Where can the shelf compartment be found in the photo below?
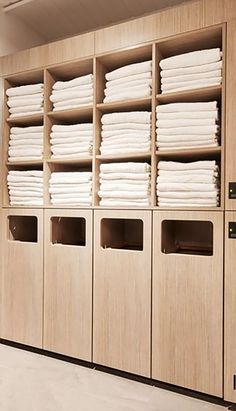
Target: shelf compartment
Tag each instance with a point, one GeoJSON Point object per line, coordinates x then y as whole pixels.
{"type": "Point", "coordinates": [129, 105]}
{"type": "Point", "coordinates": [121, 233]}
{"type": "Point", "coordinates": [68, 231]}
{"type": "Point", "coordinates": [187, 237]}
{"type": "Point", "coordinates": [122, 157]}
{"type": "Point", "coordinates": [73, 161]}
{"type": "Point", "coordinates": [23, 228]}
{"type": "Point", "coordinates": [30, 120]}
{"type": "Point", "coordinates": [72, 115]}
{"type": "Point", "coordinates": [200, 94]}
{"type": "Point", "coordinates": [193, 152]}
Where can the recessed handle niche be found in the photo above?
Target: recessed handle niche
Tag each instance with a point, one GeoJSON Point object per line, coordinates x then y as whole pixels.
{"type": "Point", "coordinates": [122, 233]}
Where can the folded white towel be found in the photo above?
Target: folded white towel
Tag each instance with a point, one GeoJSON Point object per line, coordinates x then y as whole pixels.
{"type": "Point", "coordinates": [186, 137]}
{"type": "Point", "coordinates": [71, 156]}
{"type": "Point", "coordinates": [191, 77]}
{"type": "Point", "coordinates": [25, 187]}
{"type": "Point", "coordinates": [131, 89]}
{"type": "Point", "coordinates": [27, 136]}
{"type": "Point", "coordinates": [35, 107]}
{"type": "Point", "coordinates": [59, 128]}
{"type": "Point", "coordinates": [25, 102]}
{"type": "Point", "coordinates": [138, 176]}
{"type": "Point", "coordinates": [27, 193]}
{"type": "Point", "coordinates": [27, 130]}
{"type": "Point", "coordinates": [124, 145]}
{"type": "Point", "coordinates": [75, 195]}
{"type": "Point", "coordinates": [119, 202]}
{"type": "Point", "coordinates": [125, 167]}
{"type": "Point", "coordinates": [24, 90]}
{"type": "Point", "coordinates": [124, 181]}
{"type": "Point", "coordinates": [22, 201]}
{"type": "Point", "coordinates": [189, 85]}
{"type": "Point", "coordinates": [188, 178]}
{"type": "Point", "coordinates": [72, 201]}
{"type": "Point", "coordinates": [185, 123]}
{"type": "Point", "coordinates": [81, 188]}
{"type": "Point", "coordinates": [74, 101]}
{"type": "Point", "coordinates": [135, 92]}
{"type": "Point", "coordinates": [132, 77]}
{"type": "Point", "coordinates": [127, 117]}
{"type": "Point", "coordinates": [111, 151]}
{"type": "Point", "coordinates": [188, 194]}
{"type": "Point", "coordinates": [76, 89]}
{"type": "Point", "coordinates": [123, 194]}
{"type": "Point", "coordinates": [187, 115]}
{"type": "Point", "coordinates": [124, 187]}
{"type": "Point", "coordinates": [184, 71]}
{"type": "Point", "coordinates": [127, 126]}
{"type": "Point", "coordinates": [206, 201]}
{"type": "Point", "coordinates": [16, 152]}
{"type": "Point", "coordinates": [195, 165]}
{"type": "Point", "coordinates": [125, 134]}
{"type": "Point", "coordinates": [73, 104]}
{"type": "Point", "coordinates": [192, 204]}
{"type": "Point", "coordinates": [193, 58]}
{"type": "Point", "coordinates": [188, 130]}
{"type": "Point", "coordinates": [183, 107]}
{"type": "Point", "coordinates": [70, 150]}
{"type": "Point", "coordinates": [26, 142]}
{"type": "Point", "coordinates": [24, 158]}
{"type": "Point", "coordinates": [31, 173]}
{"type": "Point", "coordinates": [178, 186]}
{"type": "Point", "coordinates": [13, 178]}
{"type": "Point", "coordinates": [109, 90]}
{"type": "Point", "coordinates": [70, 177]}
{"type": "Point", "coordinates": [26, 113]}
{"type": "Point", "coordinates": [120, 140]}
{"type": "Point", "coordinates": [129, 70]}
{"type": "Point", "coordinates": [182, 174]}
{"type": "Point", "coordinates": [61, 142]}
{"type": "Point", "coordinates": [70, 95]}
{"type": "Point", "coordinates": [78, 81]}
{"type": "Point", "coordinates": [187, 147]}
{"type": "Point", "coordinates": [72, 134]}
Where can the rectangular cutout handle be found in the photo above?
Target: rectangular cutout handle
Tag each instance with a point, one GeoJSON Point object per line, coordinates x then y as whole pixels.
{"type": "Point", "coordinates": [122, 233]}
{"type": "Point", "coordinates": [23, 228]}
{"type": "Point", "coordinates": [68, 231]}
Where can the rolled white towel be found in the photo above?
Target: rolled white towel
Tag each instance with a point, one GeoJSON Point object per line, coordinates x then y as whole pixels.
{"type": "Point", "coordinates": [78, 81]}
{"type": "Point", "coordinates": [184, 71]}
{"type": "Point", "coordinates": [129, 70]}
{"type": "Point", "coordinates": [193, 58]}
{"type": "Point", "coordinates": [183, 107]}
{"type": "Point", "coordinates": [24, 90]}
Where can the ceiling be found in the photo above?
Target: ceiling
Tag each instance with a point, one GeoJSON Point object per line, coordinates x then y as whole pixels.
{"type": "Point", "coordinates": [56, 19]}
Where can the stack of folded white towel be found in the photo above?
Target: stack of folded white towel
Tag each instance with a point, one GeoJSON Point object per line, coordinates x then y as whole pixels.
{"type": "Point", "coordinates": [187, 125]}
{"type": "Point", "coordinates": [193, 184]}
{"type": "Point", "coordinates": [72, 93]}
{"type": "Point", "coordinates": [192, 70]}
{"type": "Point", "coordinates": [127, 132]}
{"type": "Point", "coordinates": [25, 187]}
{"type": "Point", "coordinates": [132, 81]}
{"type": "Point", "coordinates": [25, 143]}
{"type": "Point", "coordinates": [72, 141]}
{"type": "Point", "coordinates": [125, 184]}
{"type": "Point", "coordinates": [25, 100]}
{"type": "Point", "coordinates": [71, 188]}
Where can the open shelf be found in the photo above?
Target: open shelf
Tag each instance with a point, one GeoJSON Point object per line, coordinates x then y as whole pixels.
{"type": "Point", "coordinates": [68, 231]}
{"type": "Point", "coordinates": [71, 114]}
{"type": "Point", "coordinates": [199, 94]}
{"type": "Point", "coordinates": [23, 228]}
{"type": "Point", "coordinates": [187, 237]}
{"type": "Point", "coordinates": [132, 104]}
{"type": "Point", "coordinates": [122, 233]}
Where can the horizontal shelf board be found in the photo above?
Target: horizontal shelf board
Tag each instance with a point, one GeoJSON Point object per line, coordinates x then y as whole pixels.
{"type": "Point", "coordinates": [71, 114]}
{"type": "Point", "coordinates": [188, 208]}
{"type": "Point", "coordinates": [26, 120]}
{"type": "Point", "coordinates": [25, 163]}
{"type": "Point", "coordinates": [124, 156]}
{"type": "Point", "coordinates": [125, 104]}
{"type": "Point", "coordinates": [203, 93]}
{"type": "Point", "coordinates": [85, 160]}
{"type": "Point", "coordinates": [189, 152]}
{"type": "Point", "coordinates": [122, 208]}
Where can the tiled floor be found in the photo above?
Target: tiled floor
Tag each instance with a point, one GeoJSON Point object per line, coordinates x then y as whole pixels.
{"type": "Point", "coordinates": [31, 382]}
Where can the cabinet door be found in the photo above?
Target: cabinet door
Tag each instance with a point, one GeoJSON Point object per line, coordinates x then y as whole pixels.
{"type": "Point", "coordinates": [68, 283]}
{"type": "Point", "coordinates": [22, 277]}
{"type": "Point", "coordinates": [122, 290]}
{"type": "Point", "coordinates": [230, 308]}
{"type": "Point", "coordinates": [188, 299]}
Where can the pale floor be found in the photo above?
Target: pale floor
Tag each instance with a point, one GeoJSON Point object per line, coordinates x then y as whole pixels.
{"type": "Point", "coordinates": [31, 382]}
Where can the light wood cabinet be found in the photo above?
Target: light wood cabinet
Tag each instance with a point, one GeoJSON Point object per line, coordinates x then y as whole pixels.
{"type": "Point", "coordinates": [22, 276]}
{"type": "Point", "coordinates": [68, 283]}
{"type": "Point", "coordinates": [122, 290]}
{"type": "Point", "coordinates": [188, 300]}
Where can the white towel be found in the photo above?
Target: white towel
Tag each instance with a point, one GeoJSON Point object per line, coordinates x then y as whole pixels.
{"type": "Point", "coordinates": [184, 71]}
{"type": "Point", "coordinates": [189, 172]}
{"type": "Point", "coordinates": [191, 77]}
{"type": "Point", "coordinates": [132, 77]}
{"type": "Point", "coordinates": [178, 186]}
{"type": "Point", "coordinates": [186, 145]}
{"type": "Point", "coordinates": [193, 58]}
{"type": "Point", "coordinates": [187, 194]}
{"type": "Point", "coordinates": [65, 128]}
{"type": "Point", "coordinates": [26, 173]}
{"type": "Point", "coordinates": [78, 81]}
{"type": "Point", "coordinates": [127, 117]}
{"type": "Point", "coordinates": [61, 142]}
{"type": "Point", "coordinates": [195, 165]}
{"type": "Point", "coordinates": [72, 201]}
{"type": "Point", "coordinates": [27, 136]}
{"type": "Point", "coordinates": [16, 152]}
{"type": "Point", "coordinates": [184, 123]}
{"type": "Point", "coordinates": [186, 85]}
{"type": "Point", "coordinates": [72, 156]}
{"type": "Point", "coordinates": [82, 188]}
{"type": "Point", "coordinates": [129, 70]}
{"type": "Point", "coordinates": [116, 181]}
{"type": "Point", "coordinates": [27, 193]}
{"type": "Point", "coordinates": [138, 176]}
{"type": "Point", "coordinates": [24, 102]}
{"type": "Point", "coordinates": [195, 200]}
{"type": "Point", "coordinates": [125, 134]}
{"type": "Point", "coordinates": [71, 104]}
{"type": "Point", "coordinates": [188, 115]}
{"type": "Point", "coordinates": [186, 137]}
{"type": "Point", "coordinates": [70, 178]}
{"type": "Point", "coordinates": [105, 151]}
{"type": "Point", "coordinates": [193, 203]}
{"type": "Point", "coordinates": [136, 92]}
{"type": "Point", "coordinates": [24, 90]}
{"type": "Point", "coordinates": [126, 126]}
{"type": "Point", "coordinates": [26, 113]}
{"type": "Point", "coordinates": [119, 202]}
{"type": "Point", "coordinates": [188, 178]}
{"type": "Point", "coordinates": [124, 187]}
{"type": "Point", "coordinates": [75, 195]}
{"type": "Point", "coordinates": [70, 150]}
{"type": "Point", "coordinates": [125, 167]}
{"type": "Point", "coordinates": [123, 194]}
{"type": "Point", "coordinates": [183, 107]}
{"type": "Point", "coordinates": [24, 202]}
{"type": "Point", "coordinates": [188, 130]}
{"type": "Point", "coordinates": [70, 95]}
{"type": "Point", "coordinates": [26, 142]}
{"type": "Point", "coordinates": [124, 140]}
{"type": "Point", "coordinates": [76, 89]}
{"type": "Point", "coordinates": [27, 130]}
{"type": "Point", "coordinates": [34, 107]}
{"type": "Point", "coordinates": [124, 145]}
{"type": "Point", "coordinates": [24, 158]}
{"type": "Point", "coordinates": [110, 90]}
{"type": "Point", "coordinates": [72, 134]}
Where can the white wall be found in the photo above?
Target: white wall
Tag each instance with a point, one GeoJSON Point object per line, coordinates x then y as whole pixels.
{"type": "Point", "coordinates": [15, 35]}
